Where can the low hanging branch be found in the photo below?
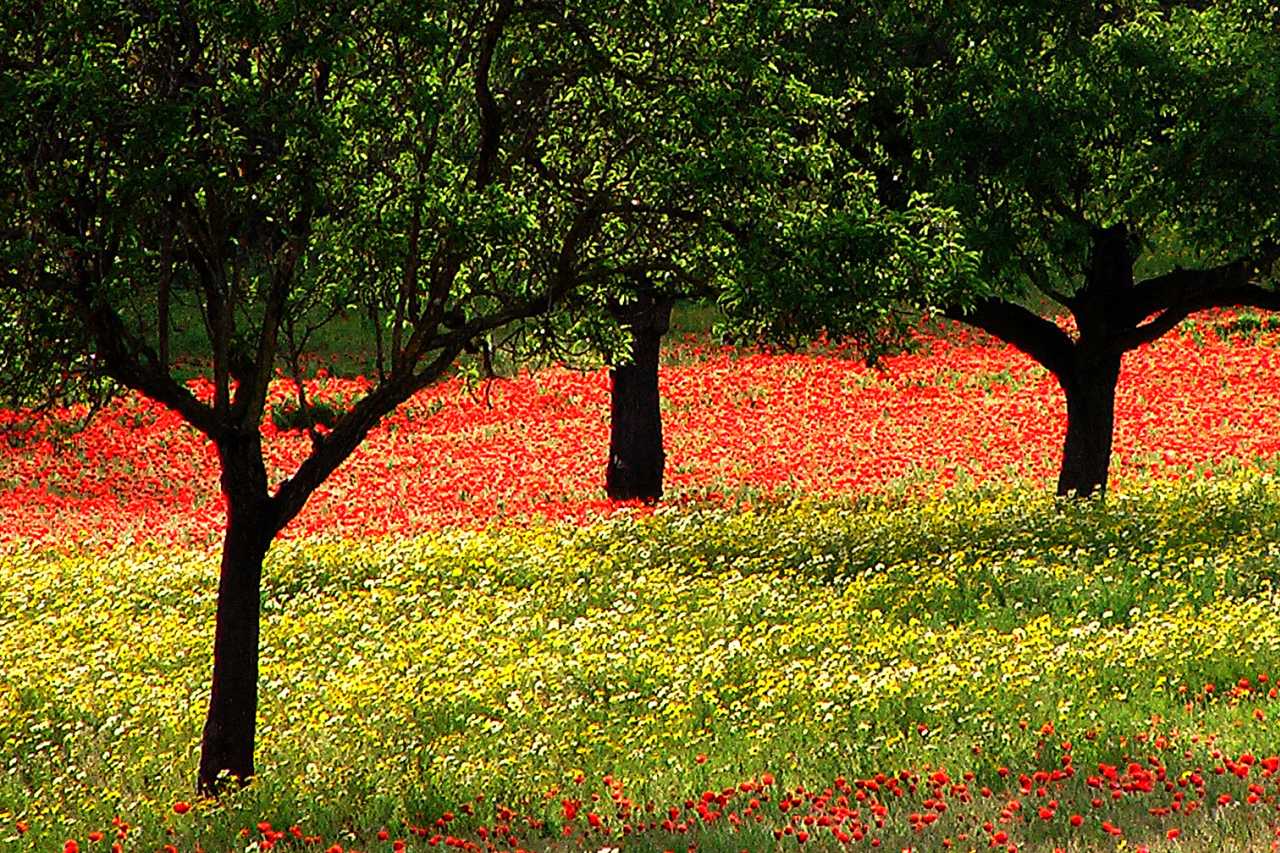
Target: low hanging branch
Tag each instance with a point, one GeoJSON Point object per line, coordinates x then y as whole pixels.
{"type": "Point", "coordinates": [1037, 337]}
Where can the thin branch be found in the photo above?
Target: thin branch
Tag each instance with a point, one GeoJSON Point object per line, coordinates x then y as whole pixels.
{"type": "Point", "coordinates": [1040, 280]}
{"type": "Point", "coordinates": [351, 429]}
{"type": "Point", "coordinates": [293, 352]}
{"type": "Point", "coordinates": [251, 394]}
{"type": "Point", "coordinates": [119, 353]}
{"type": "Point", "coordinates": [162, 300]}
{"type": "Point", "coordinates": [376, 322]}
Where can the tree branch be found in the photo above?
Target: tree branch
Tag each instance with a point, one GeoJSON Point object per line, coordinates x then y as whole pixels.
{"type": "Point", "coordinates": [114, 346]}
{"type": "Point", "coordinates": [1022, 328]}
{"type": "Point", "coordinates": [1182, 286]}
{"type": "Point", "coordinates": [351, 429]}
{"type": "Point", "coordinates": [490, 116]}
{"type": "Point", "coordinates": [1242, 296]}
{"type": "Point", "coordinates": [251, 394]}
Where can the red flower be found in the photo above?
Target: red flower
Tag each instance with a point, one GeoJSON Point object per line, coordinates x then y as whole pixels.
{"type": "Point", "coordinates": [545, 420]}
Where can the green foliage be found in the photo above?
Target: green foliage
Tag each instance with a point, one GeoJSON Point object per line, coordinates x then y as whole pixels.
{"type": "Point", "coordinates": [821, 247]}
{"type": "Point", "coordinates": [441, 170]}
{"type": "Point", "coordinates": [157, 152]}
{"type": "Point", "coordinates": [1038, 122]}
{"type": "Point", "coordinates": [865, 274]}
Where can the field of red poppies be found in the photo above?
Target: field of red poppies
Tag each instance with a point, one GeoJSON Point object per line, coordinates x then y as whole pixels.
{"type": "Point", "coordinates": [740, 426]}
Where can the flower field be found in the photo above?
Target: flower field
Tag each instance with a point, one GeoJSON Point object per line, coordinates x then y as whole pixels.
{"type": "Point", "coordinates": [738, 426]}
{"type": "Point", "coordinates": [865, 661]}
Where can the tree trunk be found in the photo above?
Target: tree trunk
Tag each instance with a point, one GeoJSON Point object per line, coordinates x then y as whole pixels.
{"type": "Point", "coordinates": [1090, 388]}
{"type": "Point", "coordinates": [230, 729]}
{"type": "Point", "coordinates": [636, 457]}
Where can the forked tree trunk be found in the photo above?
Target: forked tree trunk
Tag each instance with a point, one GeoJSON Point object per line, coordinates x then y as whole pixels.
{"type": "Point", "coordinates": [636, 455]}
{"type": "Point", "coordinates": [230, 729]}
{"type": "Point", "coordinates": [1090, 389]}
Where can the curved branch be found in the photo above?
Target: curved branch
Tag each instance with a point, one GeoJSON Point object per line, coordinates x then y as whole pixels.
{"type": "Point", "coordinates": [251, 395]}
{"type": "Point", "coordinates": [1243, 296]}
{"type": "Point", "coordinates": [337, 446]}
{"type": "Point", "coordinates": [118, 351]}
{"type": "Point", "coordinates": [1180, 293]}
{"type": "Point", "coordinates": [1180, 286]}
{"type": "Point", "coordinates": [1021, 328]}
{"type": "Point", "coordinates": [1183, 286]}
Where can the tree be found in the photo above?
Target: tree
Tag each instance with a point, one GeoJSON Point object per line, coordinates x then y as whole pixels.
{"type": "Point", "coordinates": [776, 168]}
{"type": "Point", "coordinates": [1113, 161]}
{"type": "Point", "coordinates": [448, 168]}
{"type": "Point", "coordinates": [810, 245]}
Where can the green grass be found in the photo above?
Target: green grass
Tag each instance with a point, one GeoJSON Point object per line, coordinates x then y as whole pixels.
{"type": "Point", "coordinates": [402, 678]}
{"type": "Point", "coordinates": [695, 319]}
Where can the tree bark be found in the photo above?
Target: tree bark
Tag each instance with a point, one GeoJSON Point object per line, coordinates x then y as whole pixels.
{"type": "Point", "coordinates": [230, 729]}
{"type": "Point", "coordinates": [1090, 389]}
{"type": "Point", "coordinates": [636, 455]}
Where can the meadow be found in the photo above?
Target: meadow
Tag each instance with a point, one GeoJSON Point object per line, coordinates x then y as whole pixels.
{"type": "Point", "coordinates": [860, 620]}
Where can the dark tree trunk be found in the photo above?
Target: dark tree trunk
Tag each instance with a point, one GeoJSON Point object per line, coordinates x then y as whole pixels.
{"type": "Point", "coordinates": [1089, 380]}
{"type": "Point", "coordinates": [230, 729]}
{"type": "Point", "coordinates": [636, 457]}
{"type": "Point", "coordinates": [1090, 388]}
